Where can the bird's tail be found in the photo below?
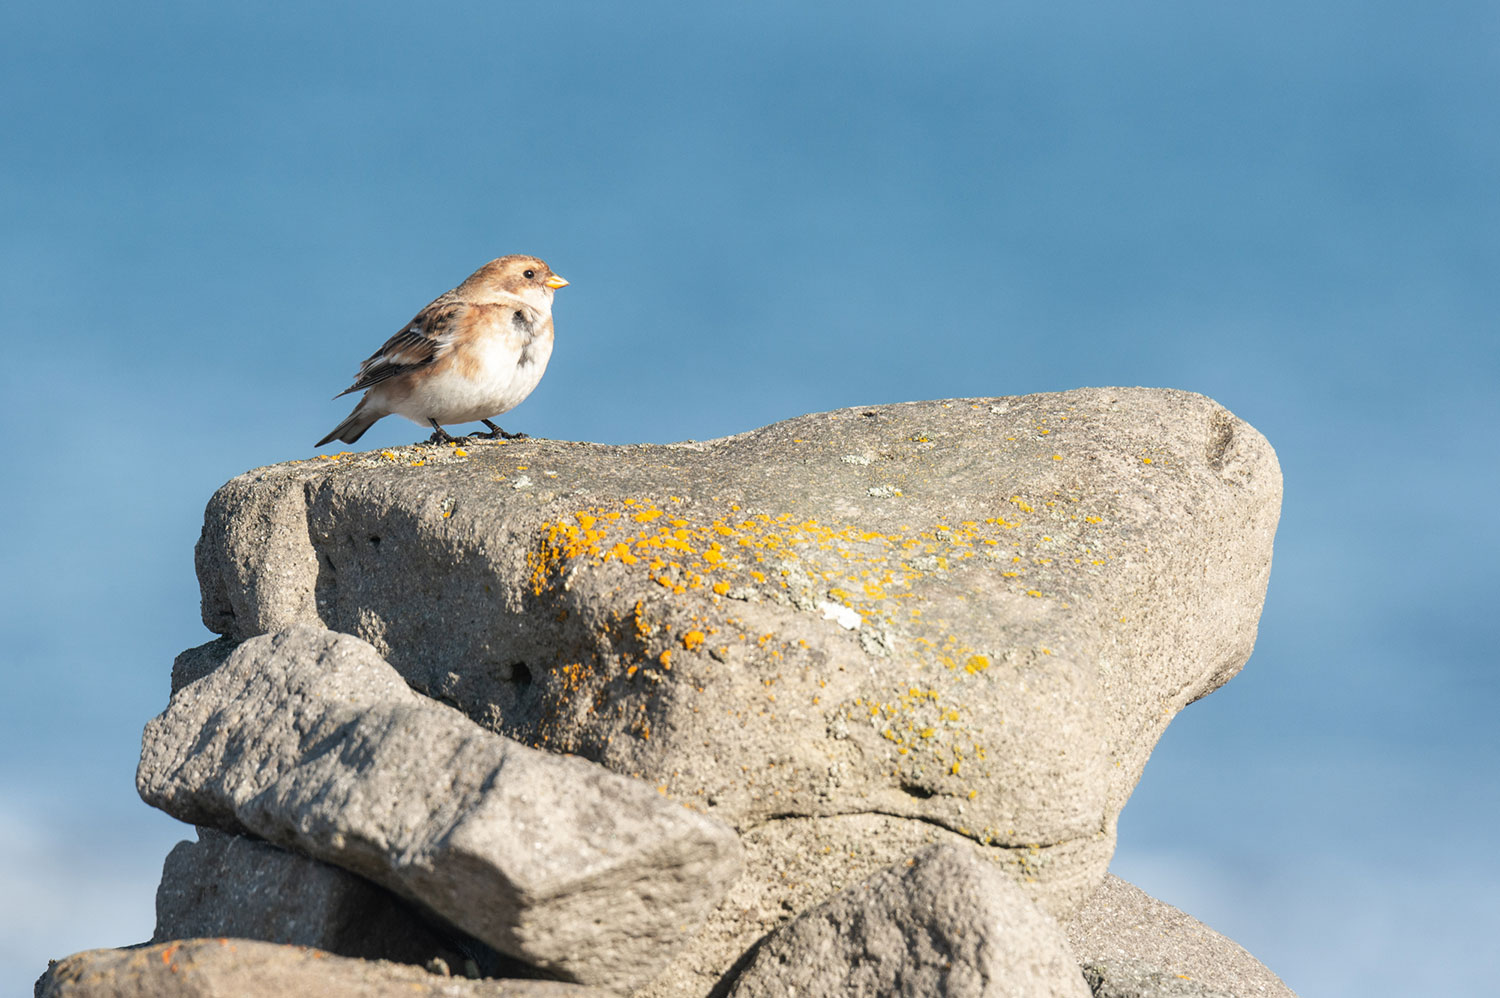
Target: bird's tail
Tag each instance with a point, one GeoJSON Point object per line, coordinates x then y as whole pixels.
{"type": "Point", "coordinates": [355, 424]}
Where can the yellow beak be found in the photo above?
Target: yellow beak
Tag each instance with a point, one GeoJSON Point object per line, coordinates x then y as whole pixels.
{"type": "Point", "coordinates": [555, 282]}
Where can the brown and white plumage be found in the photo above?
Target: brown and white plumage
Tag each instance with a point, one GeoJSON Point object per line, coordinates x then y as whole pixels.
{"type": "Point", "coordinates": [472, 353]}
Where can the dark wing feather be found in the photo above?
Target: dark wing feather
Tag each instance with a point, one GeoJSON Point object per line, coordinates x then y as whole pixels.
{"type": "Point", "coordinates": [415, 346]}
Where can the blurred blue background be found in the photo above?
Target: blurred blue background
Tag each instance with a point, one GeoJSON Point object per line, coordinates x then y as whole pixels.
{"type": "Point", "coordinates": [211, 213]}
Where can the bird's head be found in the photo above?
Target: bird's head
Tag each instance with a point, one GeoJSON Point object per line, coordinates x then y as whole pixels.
{"type": "Point", "coordinates": [516, 276]}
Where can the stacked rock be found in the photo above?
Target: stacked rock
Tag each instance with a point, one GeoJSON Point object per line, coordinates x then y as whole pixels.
{"type": "Point", "coordinates": [849, 704]}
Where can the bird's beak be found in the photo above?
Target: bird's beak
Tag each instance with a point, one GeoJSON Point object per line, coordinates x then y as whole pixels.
{"type": "Point", "coordinates": [555, 282]}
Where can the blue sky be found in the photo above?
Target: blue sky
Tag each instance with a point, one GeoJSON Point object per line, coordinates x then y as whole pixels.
{"type": "Point", "coordinates": [211, 215]}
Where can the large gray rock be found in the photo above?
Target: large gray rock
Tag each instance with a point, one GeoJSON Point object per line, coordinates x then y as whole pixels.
{"type": "Point", "coordinates": [943, 923]}
{"type": "Point", "coordinates": [1134, 946]}
{"type": "Point", "coordinates": [231, 885]}
{"type": "Point", "coordinates": [309, 740]}
{"type": "Point", "coordinates": [242, 968]}
{"type": "Point", "coordinates": [975, 616]}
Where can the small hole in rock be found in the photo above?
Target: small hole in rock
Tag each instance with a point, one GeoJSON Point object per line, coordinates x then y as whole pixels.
{"type": "Point", "coordinates": [375, 540]}
{"type": "Point", "coordinates": [519, 673]}
{"type": "Point", "coordinates": [912, 790]}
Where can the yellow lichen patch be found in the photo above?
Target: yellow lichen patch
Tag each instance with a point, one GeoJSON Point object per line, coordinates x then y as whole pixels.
{"type": "Point", "coordinates": [879, 575]}
{"type": "Point", "coordinates": [692, 639]}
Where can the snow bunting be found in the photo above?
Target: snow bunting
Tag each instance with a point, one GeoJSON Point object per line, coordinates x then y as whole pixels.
{"type": "Point", "coordinates": [472, 353]}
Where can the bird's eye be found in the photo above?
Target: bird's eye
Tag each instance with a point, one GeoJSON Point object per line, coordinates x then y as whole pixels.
{"type": "Point", "coordinates": [528, 274]}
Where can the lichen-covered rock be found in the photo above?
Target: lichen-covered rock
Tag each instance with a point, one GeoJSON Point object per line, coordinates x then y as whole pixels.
{"type": "Point", "coordinates": [243, 968]}
{"type": "Point", "coordinates": [1134, 946]}
{"type": "Point", "coordinates": [975, 616]}
{"type": "Point", "coordinates": [942, 924]}
{"type": "Point", "coordinates": [308, 740]}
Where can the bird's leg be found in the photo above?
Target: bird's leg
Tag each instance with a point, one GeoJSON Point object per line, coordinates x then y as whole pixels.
{"type": "Point", "coordinates": [439, 435]}
{"type": "Point", "coordinates": [498, 434]}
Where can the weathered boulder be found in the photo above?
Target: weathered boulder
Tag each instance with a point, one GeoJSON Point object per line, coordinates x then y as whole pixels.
{"type": "Point", "coordinates": [308, 740]}
{"type": "Point", "coordinates": [936, 621]}
{"type": "Point", "coordinates": [976, 612]}
{"type": "Point", "coordinates": [942, 923]}
{"type": "Point", "coordinates": [1134, 946]}
{"type": "Point", "coordinates": [243, 968]}
{"type": "Point", "coordinates": [231, 885]}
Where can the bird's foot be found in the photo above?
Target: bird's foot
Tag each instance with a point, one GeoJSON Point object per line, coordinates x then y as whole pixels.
{"type": "Point", "coordinates": [498, 434]}
{"type": "Point", "coordinates": [440, 435]}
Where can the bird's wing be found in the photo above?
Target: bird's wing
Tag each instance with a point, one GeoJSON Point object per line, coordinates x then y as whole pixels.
{"type": "Point", "coordinates": [417, 345]}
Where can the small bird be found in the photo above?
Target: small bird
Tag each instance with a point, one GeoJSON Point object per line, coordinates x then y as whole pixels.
{"type": "Point", "coordinates": [472, 353]}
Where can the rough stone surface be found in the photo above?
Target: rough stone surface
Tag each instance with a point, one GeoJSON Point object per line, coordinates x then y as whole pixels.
{"type": "Point", "coordinates": [242, 968]}
{"type": "Point", "coordinates": [309, 740]}
{"type": "Point", "coordinates": [964, 619]}
{"type": "Point", "coordinates": [943, 923]}
{"type": "Point", "coordinates": [231, 885]}
{"type": "Point", "coordinates": [1134, 946]}
{"type": "Point", "coordinates": [195, 663]}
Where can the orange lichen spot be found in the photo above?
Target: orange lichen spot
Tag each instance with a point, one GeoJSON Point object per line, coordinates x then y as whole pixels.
{"type": "Point", "coordinates": [1022, 505]}
{"type": "Point", "coordinates": [460, 452]}
{"type": "Point", "coordinates": [389, 455]}
{"type": "Point", "coordinates": [928, 732]}
{"type": "Point", "coordinates": [647, 515]}
{"type": "Point", "coordinates": [1093, 519]}
{"type": "Point", "coordinates": [953, 769]}
{"type": "Point", "coordinates": [585, 520]}
{"type": "Point", "coordinates": [665, 658]}
{"type": "Point", "coordinates": [1146, 460]}
{"type": "Point", "coordinates": [1033, 592]}
{"type": "Point", "coordinates": [720, 588]}
{"type": "Point", "coordinates": [757, 576]}
{"type": "Point", "coordinates": [973, 794]}
{"type": "Point", "coordinates": [447, 513]}
{"type": "Point", "coordinates": [976, 663]}
{"type": "Point", "coordinates": [1057, 457]}
{"type": "Point", "coordinates": [692, 639]}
